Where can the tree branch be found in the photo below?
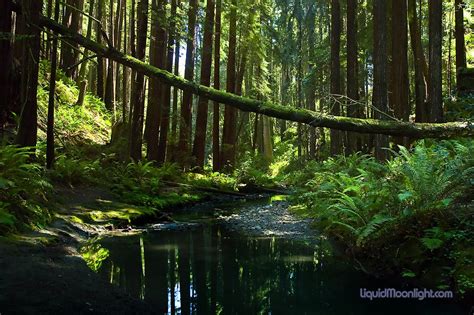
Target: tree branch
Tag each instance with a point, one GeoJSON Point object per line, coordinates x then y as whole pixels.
{"type": "Point", "coordinates": [413, 130]}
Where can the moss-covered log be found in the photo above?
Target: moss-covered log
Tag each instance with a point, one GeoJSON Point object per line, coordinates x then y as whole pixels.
{"type": "Point", "coordinates": [394, 128]}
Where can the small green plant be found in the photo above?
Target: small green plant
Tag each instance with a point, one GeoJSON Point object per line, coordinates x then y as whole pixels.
{"type": "Point", "coordinates": [24, 190]}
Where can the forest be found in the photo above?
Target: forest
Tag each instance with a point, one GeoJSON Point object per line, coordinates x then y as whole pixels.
{"type": "Point", "coordinates": [236, 156]}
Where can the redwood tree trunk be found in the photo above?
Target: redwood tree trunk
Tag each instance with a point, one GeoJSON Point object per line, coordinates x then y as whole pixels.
{"type": "Point", "coordinates": [352, 73]}
{"type": "Point", "coordinates": [5, 53]}
{"type": "Point", "coordinates": [459, 35]}
{"type": "Point", "coordinates": [230, 113]}
{"type": "Point", "coordinates": [336, 135]}
{"type": "Point", "coordinates": [138, 92]}
{"type": "Point", "coordinates": [186, 114]}
{"type": "Point", "coordinates": [100, 60]}
{"type": "Point", "coordinates": [165, 117]}
{"type": "Point", "coordinates": [109, 98]}
{"type": "Point", "coordinates": [380, 96]}
{"type": "Point", "coordinates": [421, 68]}
{"type": "Point", "coordinates": [435, 64]}
{"type": "Point", "coordinates": [399, 74]}
{"type": "Point", "coordinates": [216, 160]}
{"type": "Point", "coordinates": [70, 55]}
{"type": "Point", "coordinates": [201, 118]}
{"type": "Point", "coordinates": [155, 95]}
{"type": "Point", "coordinates": [172, 146]}
{"type": "Point", "coordinates": [52, 90]}
{"type": "Point", "coordinates": [27, 130]}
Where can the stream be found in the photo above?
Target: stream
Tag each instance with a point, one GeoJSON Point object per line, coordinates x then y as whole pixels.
{"type": "Point", "coordinates": [204, 266]}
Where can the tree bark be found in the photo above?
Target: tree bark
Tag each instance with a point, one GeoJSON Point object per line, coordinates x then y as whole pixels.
{"type": "Point", "coordinates": [216, 160]}
{"type": "Point", "coordinates": [421, 68]}
{"type": "Point", "coordinates": [52, 90]}
{"type": "Point", "coordinates": [100, 60]}
{"type": "Point", "coordinates": [138, 92]}
{"type": "Point", "coordinates": [81, 79]}
{"type": "Point", "coordinates": [186, 114]}
{"type": "Point", "coordinates": [336, 135]}
{"type": "Point", "coordinates": [165, 116]}
{"type": "Point", "coordinates": [459, 35]}
{"type": "Point", "coordinates": [380, 96]}
{"type": "Point", "coordinates": [311, 90]}
{"type": "Point", "coordinates": [109, 98]}
{"type": "Point", "coordinates": [126, 72]}
{"type": "Point", "coordinates": [73, 20]}
{"type": "Point", "coordinates": [230, 113]}
{"type": "Point", "coordinates": [373, 126]}
{"type": "Point", "coordinates": [399, 74]}
{"type": "Point", "coordinates": [155, 95]}
{"type": "Point", "coordinates": [353, 139]}
{"type": "Point", "coordinates": [27, 130]}
{"type": "Point", "coordinates": [199, 147]}
{"type": "Point", "coordinates": [172, 146]}
{"type": "Point", "coordinates": [6, 7]}
{"type": "Point", "coordinates": [435, 95]}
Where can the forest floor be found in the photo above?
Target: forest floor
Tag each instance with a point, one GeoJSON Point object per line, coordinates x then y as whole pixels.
{"type": "Point", "coordinates": [43, 272]}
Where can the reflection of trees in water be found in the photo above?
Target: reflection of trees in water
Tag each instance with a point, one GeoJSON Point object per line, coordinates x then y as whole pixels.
{"type": "Point", "coordinates": [156, 276]}
{"type": "Point", "coordinates": [217, 271]}
{"type": "Point", "coordinates": [184, 274]}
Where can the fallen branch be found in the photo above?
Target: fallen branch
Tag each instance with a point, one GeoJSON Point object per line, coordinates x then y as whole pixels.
{"type": "Point", "coordinates": [413, 130]}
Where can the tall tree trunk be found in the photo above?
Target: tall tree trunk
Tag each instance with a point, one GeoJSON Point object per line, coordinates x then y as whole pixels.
{"type": "Point", "coordinates": [27, 130]}
{"type": "Point", "coordinates": [81, 79]}
{"type": "Point", "coordinates": [172, 149]}
{"type": "Point", "coordinates": [100, 60]}
{"type": "Point", "coordinates": [421, 68]}
{"type": "Point", "coordinates": [70, 50]}
{"type": "Point", "coordinates": [186, 105]}
{"type": "Point", "coordinates": [311, 90]}
{"type": "Point", "coordinates": [52, 90]}
{"type": "Point", "coordinates": [118, 44]}
{"type": "Point", "coordinates": [125, 70]}
{"type": "Point", "coordinates": [109, 98]}
{"type": "Point", "coordinates": [206, 65]}
{"type": "Point", "coordinates": [380, 96]}
{"type": "Point", "coordinates": [230, 113]}
{"type": "Point", "coordinates": [399, 74]}
{"type": "Point", "coordinates": [138, 92]}
{"type": "Point", "coordinates": [216, 160]}
{"type": "Point", "coordinates": [459, 35]}
{"type": "Point", "coordinates": [6, 7]}
{"type": "Point", "coordinates": [353, 139]}
{"type": "Point", "coordinates": [165, 117]}
{"type": "Point", "coordinates": [133, 52]}
{"type": "Point", "coordinates": [49, 13]}
{"type": "Point", "coordinates": [299, 72]}
{"type": "Point", "coordinates": [435, 61]}
{"type": "Point", "coordinates": [336, 135]}
{"type": "Point", "coordinates": [155, 95]}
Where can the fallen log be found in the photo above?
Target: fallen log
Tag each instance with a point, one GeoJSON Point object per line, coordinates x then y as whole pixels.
{"type": "Point", "coordinates": [373, 126]}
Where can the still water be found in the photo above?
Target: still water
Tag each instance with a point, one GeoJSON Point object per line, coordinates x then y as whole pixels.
{"type": "Point", "coordinates": [210, 270]}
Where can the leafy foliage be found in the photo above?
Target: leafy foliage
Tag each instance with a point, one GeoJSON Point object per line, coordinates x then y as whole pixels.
{"type": "Point", "coordinates": [23, 189]}
{"type": "Point", "coordinates": [399, 213]}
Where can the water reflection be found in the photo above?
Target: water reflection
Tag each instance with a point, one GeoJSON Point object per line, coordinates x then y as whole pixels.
{"type": "Point", "coordinates": [210, 271]}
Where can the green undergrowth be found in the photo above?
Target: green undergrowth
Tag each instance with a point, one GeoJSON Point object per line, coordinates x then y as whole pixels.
{"type": "Point", "coordinates": [89, 123]}
{"type": "Point", "coordinates": [412, 216]}
{"type": "Point", "coordinates": [24, 190]}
